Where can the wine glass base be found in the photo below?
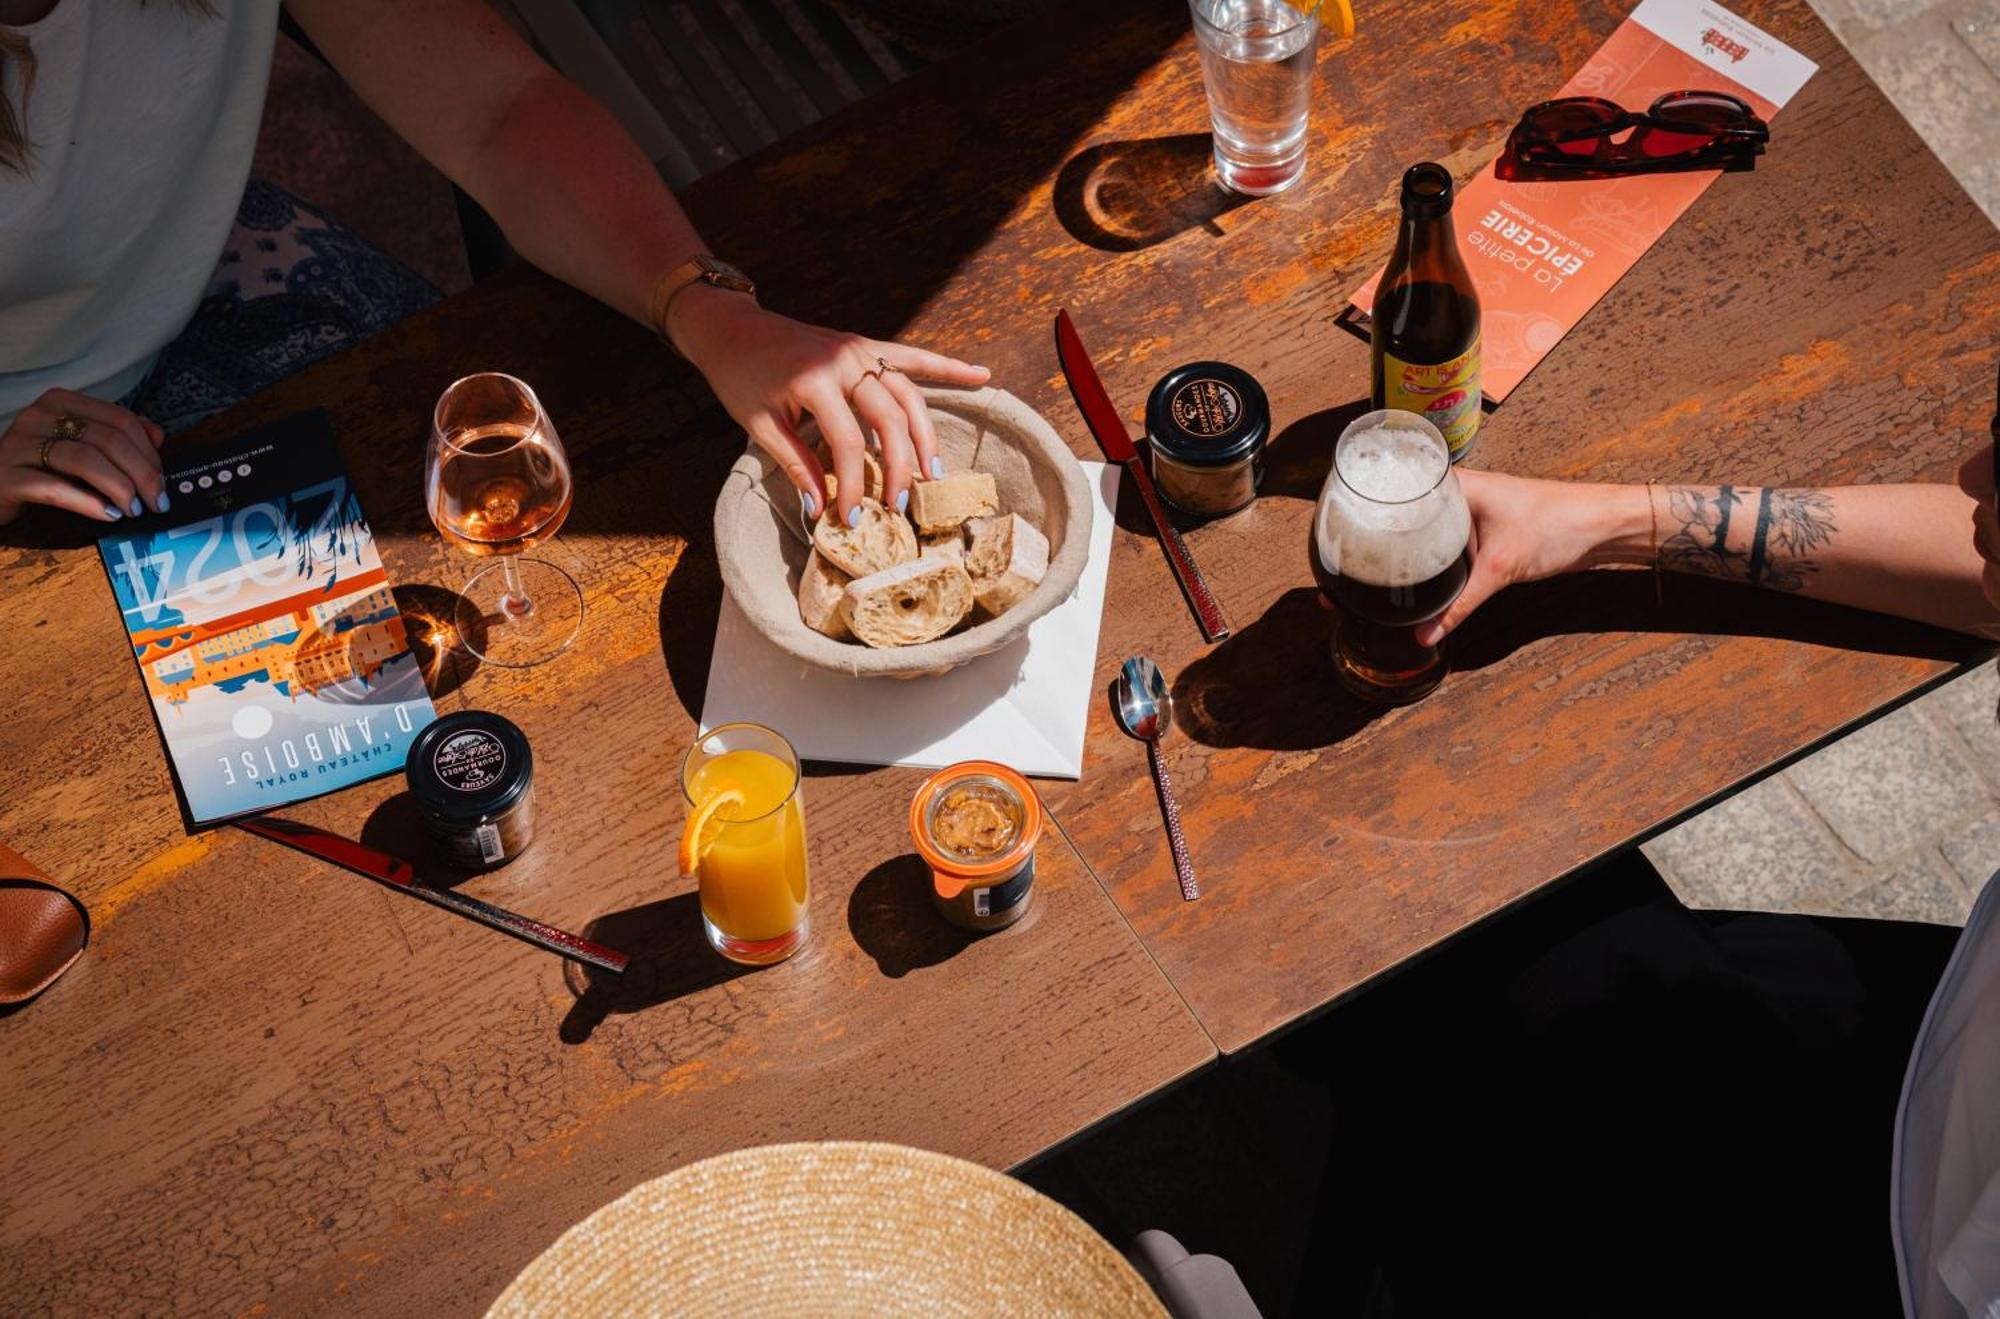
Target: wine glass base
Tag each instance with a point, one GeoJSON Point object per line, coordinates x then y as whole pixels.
{"type": "Point", "coordinates": [493, 626]}
{"type": "Point", "coordinates": [757, 952]}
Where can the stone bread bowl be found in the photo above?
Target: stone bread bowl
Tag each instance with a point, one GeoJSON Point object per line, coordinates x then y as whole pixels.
{"type": "Point", "coordinates": [761, 540]}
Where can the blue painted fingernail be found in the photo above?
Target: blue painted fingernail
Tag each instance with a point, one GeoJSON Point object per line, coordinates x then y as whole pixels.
{"type": "Point", "coordinates": [902, 501]}
{"type": "Point", "coordinates": [162, 503]}
{"type": "Point", "coordinates": [854, 516]}
{"type": "Point", "coordinates": [937, 469]}
{"type": "Point", "coordinates": [138, 509]}
{"type": "Point", "coordinates": [808, 505]}
{"type": "Point", "coordinates": [111, 511]}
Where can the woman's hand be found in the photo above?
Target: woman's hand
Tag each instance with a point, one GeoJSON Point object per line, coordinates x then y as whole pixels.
{"type": "Point", "coordinates": [772, 372]}
{"type": "Point", "coordinates": [110, 470]}
{"type": "Point", "coordinates": [1523, 531]}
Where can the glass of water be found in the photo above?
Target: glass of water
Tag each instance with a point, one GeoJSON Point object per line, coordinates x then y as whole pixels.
{"type": "Point", "coordinates": [1257, 61]}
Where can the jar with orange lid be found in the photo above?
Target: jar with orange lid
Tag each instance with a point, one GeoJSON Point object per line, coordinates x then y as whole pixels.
{"type": "Point", "coordinates": [976, 825]}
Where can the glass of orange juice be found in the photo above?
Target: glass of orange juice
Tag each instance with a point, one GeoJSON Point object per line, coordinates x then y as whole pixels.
{"type": "Point", "coordinates": [745, 842]}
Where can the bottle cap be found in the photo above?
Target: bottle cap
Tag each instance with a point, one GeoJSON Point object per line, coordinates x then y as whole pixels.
{"type": "Point", "coordinates": [1208, 414]}
{"type": "Point", "coordinates": [1427, 191]}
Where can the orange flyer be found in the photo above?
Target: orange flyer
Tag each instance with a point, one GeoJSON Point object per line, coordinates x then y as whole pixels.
{"type": "Point", "coordinates": [1541, 254]}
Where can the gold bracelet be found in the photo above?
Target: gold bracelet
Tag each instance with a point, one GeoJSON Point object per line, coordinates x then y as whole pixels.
{"type": "Point", "coordinates": [1653, 512]}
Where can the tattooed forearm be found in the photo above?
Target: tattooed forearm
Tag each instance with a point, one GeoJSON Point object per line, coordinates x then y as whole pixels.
{"type": "Point", "coordinates": [1766, 537]}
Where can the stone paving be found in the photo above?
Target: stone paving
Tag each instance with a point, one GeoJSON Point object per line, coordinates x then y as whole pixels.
{"type": "Point", "coordinates": [1901, 818]}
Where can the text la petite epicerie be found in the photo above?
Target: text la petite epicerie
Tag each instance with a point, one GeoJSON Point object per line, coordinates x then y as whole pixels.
{"type": "Point", "coordinates": [1520, 246]}
{"type": "Point", "coordinates": [297, 758]}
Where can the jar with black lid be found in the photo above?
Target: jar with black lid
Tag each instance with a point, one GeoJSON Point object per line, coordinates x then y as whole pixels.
{"type": "Point", "coordinates": [473, 777]}
{"type": "Point", "coordinates": [1207, 423]}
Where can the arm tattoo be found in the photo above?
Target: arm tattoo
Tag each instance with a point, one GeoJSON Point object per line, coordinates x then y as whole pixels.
{"type": "Point", "coordinates": [1792, 526]}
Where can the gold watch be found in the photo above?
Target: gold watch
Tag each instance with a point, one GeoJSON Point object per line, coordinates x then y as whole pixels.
{"type": "Point", "coordinates": [701, 268]}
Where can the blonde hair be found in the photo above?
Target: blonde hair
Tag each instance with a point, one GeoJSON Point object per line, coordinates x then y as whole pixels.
{"type": "Point", "coordinates": [16, 153]}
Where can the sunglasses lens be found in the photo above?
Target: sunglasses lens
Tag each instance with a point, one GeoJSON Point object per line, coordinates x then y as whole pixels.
{"type": "Point", "coordinates": [1576, 117]}
{"type": "Point", "coordinates": [1704, 112]}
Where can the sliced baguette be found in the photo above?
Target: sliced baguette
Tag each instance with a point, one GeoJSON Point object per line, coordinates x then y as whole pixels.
{"type": "Point", "coordinates": [881, 540]}
{"type": "Point", "coordinates": [820, 589]}
{"type": "Point", "coordinates": [951, 543]}
{"type": "Point", "coordinates": [943, 504]}
{"type": "Point", "coordinates": [1008, 558]}
{"type": "Point", "coordinates": [909, 603]}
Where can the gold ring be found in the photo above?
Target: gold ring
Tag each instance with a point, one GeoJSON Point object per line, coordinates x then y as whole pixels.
{"type": "Point", "coordinates": [69, 427]}
{"type": "Point", "coordinates": [883, 367]}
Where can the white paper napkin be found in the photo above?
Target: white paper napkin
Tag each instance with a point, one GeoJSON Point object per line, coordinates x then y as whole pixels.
{"type": "Point", "coordinates": [1024, 706]}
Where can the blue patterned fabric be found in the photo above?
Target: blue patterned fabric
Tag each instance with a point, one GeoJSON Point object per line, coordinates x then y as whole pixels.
{"type": "Point", "coordinates": [294, 286]}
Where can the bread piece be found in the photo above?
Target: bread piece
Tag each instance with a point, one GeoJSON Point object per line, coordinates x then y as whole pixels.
{"type": "Point", "coordinates": [951, 543]}
{"type": "Point", "coordinates": [943, 504]}
{"type": "Point", "coordinates": [1008, 559]}
{"type": "Point", "coordinates": [881, 540]}
{"type": "Point", "coordinates": [872, 478]}
{"type": "Point", "coordinates": [820, 589]}
{"type": "Point", "coordinates": [908, 604]}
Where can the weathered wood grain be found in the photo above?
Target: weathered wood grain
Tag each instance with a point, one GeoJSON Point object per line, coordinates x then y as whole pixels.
{"type": "Point", "coordinates": [271, 1085]}
{"type": "Point", "coordinates": [270, 1082]}
{"type": "Point", "coordinates": [1827, 318]}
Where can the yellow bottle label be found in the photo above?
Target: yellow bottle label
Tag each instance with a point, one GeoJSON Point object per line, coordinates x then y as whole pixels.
{"type": "Point", "coordinates": [1446, 395]}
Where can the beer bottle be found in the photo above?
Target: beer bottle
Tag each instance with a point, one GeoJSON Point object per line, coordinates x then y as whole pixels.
{"type": "Point", "coordinates": [1424, 346]}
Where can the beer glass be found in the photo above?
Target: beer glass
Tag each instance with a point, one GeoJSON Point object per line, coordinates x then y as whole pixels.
{"type": "Point", "coordinates": [497, 483]}
{"type": "Point", "coordinates": [1389, 550]}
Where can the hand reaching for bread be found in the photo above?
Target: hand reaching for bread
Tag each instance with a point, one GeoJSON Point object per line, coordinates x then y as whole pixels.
{"type": "Point", "coordinates": [899, 580]}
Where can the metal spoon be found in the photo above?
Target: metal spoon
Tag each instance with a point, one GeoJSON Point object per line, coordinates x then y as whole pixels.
{"type": "Point", "coordinates": [1145, 710]}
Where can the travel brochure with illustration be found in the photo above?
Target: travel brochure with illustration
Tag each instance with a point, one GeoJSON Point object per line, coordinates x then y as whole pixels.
{"type": "Point", "coordinates": [264, 625]}
{"type": "Point", "coordinates": [1542, 253]}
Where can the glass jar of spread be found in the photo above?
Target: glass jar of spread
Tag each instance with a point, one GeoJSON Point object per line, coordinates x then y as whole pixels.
{"type": "Point", "coordinates": [976, 825]}
{"type": "Point", "coordinates": [1207, 424]}
{"type": "Point", "coordinates": [473, 778]}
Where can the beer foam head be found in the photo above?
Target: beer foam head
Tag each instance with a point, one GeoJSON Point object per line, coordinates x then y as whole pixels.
{"type": "Point", "coordinates": [1387, 515]}
{"type": "Point", "coordinates": [1390, 465]}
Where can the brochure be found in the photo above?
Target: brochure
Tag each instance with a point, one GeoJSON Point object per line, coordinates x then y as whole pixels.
{"type": "Point", "coordinates": [264, 625]}
{"type": "Point", "coordinates": [1543, 253]}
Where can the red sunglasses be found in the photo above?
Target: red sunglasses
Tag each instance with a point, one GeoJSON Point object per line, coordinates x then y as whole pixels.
{"type": "Point", "coordinates": [1682, 130]}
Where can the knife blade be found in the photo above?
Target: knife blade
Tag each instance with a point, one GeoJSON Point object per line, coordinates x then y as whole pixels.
{"type": "Point", "coordinates": [400, 874]}
{"type": "Point", "coordinates": [1109, 429]}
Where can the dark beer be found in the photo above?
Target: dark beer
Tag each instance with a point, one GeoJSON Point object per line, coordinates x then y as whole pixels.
{"type": "Point", "coordinates": [1424, 344]}
{"type": "Point", "coordinates": [1389, 550]}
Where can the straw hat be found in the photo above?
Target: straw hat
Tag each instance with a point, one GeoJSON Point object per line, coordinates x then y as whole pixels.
{"type": "Point", "coordinates": [833, 1228]}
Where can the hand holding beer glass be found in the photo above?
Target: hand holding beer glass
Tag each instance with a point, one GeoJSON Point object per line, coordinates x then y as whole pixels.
{"type": "Point", "coordinates": [1389, 549]}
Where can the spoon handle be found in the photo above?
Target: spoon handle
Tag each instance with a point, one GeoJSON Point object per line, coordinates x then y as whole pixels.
{"type": "Point", "coordinates": [1183, 864]}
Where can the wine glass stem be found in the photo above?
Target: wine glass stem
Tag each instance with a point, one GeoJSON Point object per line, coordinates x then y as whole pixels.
{"type": "Point", "coordinates": [515, 603]}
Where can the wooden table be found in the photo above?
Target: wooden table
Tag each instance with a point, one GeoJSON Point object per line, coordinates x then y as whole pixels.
{"type": "Point", "coordinates": [272, 1084]}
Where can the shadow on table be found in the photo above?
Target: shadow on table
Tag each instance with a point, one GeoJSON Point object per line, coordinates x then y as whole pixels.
{"type": "Point", "coordinates": [431, 622]}
{"type": "Point", "coordinates": [1271, 685]}
{"type": "Point", "coordinates": [670, 959]}
{"type": "Point", "coordinates": [1129, 196]}
{"type": "Point", "coordinates": [397, 827]}
{"type": "Point", "coordinates": [892, 919]}
{"type": "Point", "coordinates": [1298, 457]}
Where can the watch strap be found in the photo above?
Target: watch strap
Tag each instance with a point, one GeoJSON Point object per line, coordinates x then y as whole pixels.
{"type": "Point", "coordinates": [701, 268]}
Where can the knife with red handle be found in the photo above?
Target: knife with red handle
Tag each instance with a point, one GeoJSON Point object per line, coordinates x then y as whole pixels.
{"type": "Point", "coordinates": [1112, 437]}
{"type": "Point", "coordinates": [398, 873]}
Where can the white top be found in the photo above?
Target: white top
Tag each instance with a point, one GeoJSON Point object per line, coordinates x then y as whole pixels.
{"type": "Point", "coordinates": [1946, 1185]}
{"type": "Point", "coordinates": [142, 119]}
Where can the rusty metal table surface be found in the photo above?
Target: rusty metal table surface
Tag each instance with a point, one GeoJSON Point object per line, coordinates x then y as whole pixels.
{"type": "Point", "coordinates": [272, 1083]}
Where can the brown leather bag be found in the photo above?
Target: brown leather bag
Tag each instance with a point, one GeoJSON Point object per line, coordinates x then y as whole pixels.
{"type": "Point", "coordinates": [42, 929]}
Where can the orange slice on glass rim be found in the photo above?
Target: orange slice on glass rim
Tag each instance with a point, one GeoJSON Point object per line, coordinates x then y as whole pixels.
{"type": "Point", "coordinates": [703, 828]}
{"type": "Point", "coordinates": [1338, 18]}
